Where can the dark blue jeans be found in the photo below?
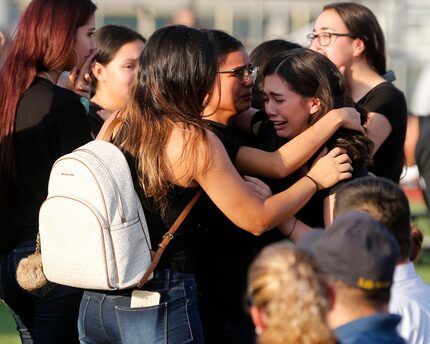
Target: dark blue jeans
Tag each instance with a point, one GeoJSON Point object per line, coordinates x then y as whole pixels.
{"type": "Point", "coordinates": [108, 318]}
{"type": "Point", "coordinates": [48, 315]}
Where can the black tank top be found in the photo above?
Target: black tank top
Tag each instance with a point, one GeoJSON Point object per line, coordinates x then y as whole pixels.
{"type": "Point", "coordinates": [179, 254]}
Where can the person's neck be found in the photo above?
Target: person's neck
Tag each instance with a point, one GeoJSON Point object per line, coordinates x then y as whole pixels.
{"type": "Point", "coordinates": [219, 116]}
{"type": "Point", "coordinates": [104, 102]}
{"type": "Point", "coordinates": [341, 315]}
{"type": "Point", "coordinates": [403, 261]}
{"type": "Point", "coordinates": [51, 75]}
{"type": "Point", "coordinates": [360, 79]}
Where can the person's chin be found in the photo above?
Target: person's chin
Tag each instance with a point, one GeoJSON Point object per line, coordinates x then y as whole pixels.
{"type": "Point", "coordinates": [242, 107]}
{"type": "Point", "coordinates": [283, 133]}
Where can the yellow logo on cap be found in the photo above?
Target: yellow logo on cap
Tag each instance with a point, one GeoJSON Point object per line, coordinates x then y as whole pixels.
{"type": "Point", "coordinates": [371, 285]}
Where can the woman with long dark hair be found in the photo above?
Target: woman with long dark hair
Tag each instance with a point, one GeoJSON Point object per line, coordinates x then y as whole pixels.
{"type": "Point", "coordinates": [172, 153]}
{"type": "Point", "coordinates": [39, 122]}
{"type": "Point", "coordinates": [223, 314]}
{"type": "Point", "coordinates": [114, 71]}
{"type": "Point", "coordinates": [231, 104]}
{"type": "Point", "coordinates": [300, 87]}
{"type": "Point", "coordinates": [350, 36]}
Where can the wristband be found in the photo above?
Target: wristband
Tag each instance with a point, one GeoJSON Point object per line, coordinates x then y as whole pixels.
{"type": "Point", "coordinates": [314, 181]}
{"type": "Point", "coordinates": [292, 228]}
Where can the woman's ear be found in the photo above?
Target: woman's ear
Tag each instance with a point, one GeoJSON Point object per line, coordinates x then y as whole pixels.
{"type": "Point", "coordinates": [257, 319]}
{"type": "Point", "coordinates": [98, 71]}
{"type": "Point", "coordinates": [359, 47]}
{"type": "Point", "coordinates": [314, 105]}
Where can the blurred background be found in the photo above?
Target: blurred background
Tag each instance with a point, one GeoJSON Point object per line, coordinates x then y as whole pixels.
{"type": "Point", "coordinates": [406, 25]}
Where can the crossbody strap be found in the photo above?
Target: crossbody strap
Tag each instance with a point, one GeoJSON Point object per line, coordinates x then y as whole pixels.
{"type": "Point", "coordinates": [167, 238]}
{"type": "Point", "coordinates": [170, 233]}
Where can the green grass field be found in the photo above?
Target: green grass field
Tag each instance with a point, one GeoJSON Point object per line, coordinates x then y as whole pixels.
{"type": "Point", "coordinates": [8, 333]}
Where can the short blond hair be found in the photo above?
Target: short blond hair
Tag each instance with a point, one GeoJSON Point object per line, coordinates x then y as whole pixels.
{"type": "Point", "coordinates": [292, 293]}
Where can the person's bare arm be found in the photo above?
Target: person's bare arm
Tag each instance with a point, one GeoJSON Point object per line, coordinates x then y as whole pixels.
{"type": "Point", "coordinates": [412, 133]}
{"type": "Point", "coordinates": [297, 151]}
{"type": "Point", "coordinates": [237, 200]}
{"type": "Point", "coordinates": [293, 229]}
{"type": "Point", "coordinates": [378, 129]}
{"type": "Point", "coordinates": [328, 209]}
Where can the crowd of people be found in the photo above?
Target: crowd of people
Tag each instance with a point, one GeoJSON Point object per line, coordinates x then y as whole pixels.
{"type": "Point", "coordinates": [284, 142]}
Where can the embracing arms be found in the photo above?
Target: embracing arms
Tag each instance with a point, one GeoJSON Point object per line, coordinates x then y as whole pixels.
{"type": "Point", "coordinates": [298, 150]}
{"type": "Point", "coordinates": [236, 199]}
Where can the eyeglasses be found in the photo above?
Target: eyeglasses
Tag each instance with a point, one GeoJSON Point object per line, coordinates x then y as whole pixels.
{"type": "Point", "coordinates": [326, 39]}
{"type": "Point", "coordinates": [243, 73]}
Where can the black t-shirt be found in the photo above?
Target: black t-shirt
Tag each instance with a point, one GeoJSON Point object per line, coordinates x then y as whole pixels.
{"type": "Point", "coordinates": [312, 213]}
{"type": "Point", "coordinates": [96, 122]}
{"type": "Point", "coordinates": [225, 250]}
{"type": "Point", "coordinates": [390, 102]}
{"type": "Point", "coordinates": [231, 137]}
{"type": "Point", "coordinates": [50, 122]}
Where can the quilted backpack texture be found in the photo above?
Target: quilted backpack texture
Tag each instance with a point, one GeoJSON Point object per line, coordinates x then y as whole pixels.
{"type": "Point", "coordinates": [93, 232]}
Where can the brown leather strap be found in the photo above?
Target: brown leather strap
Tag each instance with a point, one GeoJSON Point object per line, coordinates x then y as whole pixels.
{"type": "Point", "coordinates": [167, 238]}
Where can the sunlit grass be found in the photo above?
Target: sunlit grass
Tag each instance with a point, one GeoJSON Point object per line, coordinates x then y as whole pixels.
{"type": "Point", "coordinates": [8, 332]}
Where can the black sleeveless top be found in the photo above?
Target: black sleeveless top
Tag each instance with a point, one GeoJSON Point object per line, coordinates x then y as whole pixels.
{"type": "Point", "coordinates": [225, 251]}
{"type": "Point", "coordinates": [179, 254]}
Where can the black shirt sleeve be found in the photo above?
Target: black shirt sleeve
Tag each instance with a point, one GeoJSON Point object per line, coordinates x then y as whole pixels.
{"type": "Point", "coordinates": [390, 102]}
{"type": "Point", "coordinates": [50, 122]}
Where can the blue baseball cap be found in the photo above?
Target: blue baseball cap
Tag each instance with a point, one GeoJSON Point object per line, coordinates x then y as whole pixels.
{"type": "Point", "coordinates": [356, 249]}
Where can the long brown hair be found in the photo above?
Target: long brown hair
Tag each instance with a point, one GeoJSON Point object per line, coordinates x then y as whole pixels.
{"type": "Point", "coordinates": [176, 75]}
{"type": "Point", "coordinates": [44, 40]}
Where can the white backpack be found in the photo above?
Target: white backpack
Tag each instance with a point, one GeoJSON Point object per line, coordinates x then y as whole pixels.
{"type": "Point", "coordinates": [93, 232]}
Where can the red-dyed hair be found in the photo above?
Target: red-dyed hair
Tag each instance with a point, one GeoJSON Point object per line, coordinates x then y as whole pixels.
{"type": "Point", "coordinates": [43, 40]}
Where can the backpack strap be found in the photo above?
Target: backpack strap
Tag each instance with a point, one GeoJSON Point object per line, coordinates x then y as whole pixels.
{"type": "Point", "coordinates": [167, 238]}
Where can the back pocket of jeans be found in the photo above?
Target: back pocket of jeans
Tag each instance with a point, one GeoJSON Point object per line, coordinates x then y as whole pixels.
{"type": "Point", "coordinates": [167, 322]}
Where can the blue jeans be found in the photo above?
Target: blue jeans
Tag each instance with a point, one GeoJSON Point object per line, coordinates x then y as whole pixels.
{"type": "Point", "coordinates": [47, 315]}
{"type": "Point", "coordinates": [106, 317]}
